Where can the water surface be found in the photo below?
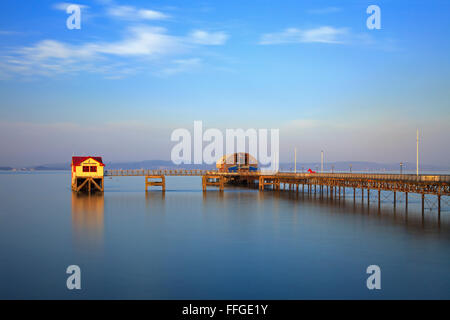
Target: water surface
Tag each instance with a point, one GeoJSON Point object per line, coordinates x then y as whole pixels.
{"type": "Point", "coordinates": [239, 244]}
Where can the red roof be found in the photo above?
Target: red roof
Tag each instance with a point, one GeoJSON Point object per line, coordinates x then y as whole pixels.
{"type": "Point", "coordinates": [76, 161]}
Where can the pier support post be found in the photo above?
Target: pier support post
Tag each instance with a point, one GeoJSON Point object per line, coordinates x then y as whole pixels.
{"type": "Point", "coordinates": [439, 207]}
{"type": "Point", "coordinates": [395, 199]}
{"type": "Point", "coordinates": [379, 200]}
{"type": "Point", "coordinates": [406, 201]}
{"type": "Point", "coordinates": [213, 180]}
{"type": "Point", "coordinates": [368, 196]}
{"type": "Point", "coordinates": [423, 204]}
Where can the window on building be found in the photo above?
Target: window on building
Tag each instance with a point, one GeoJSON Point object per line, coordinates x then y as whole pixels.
{"type": "Point", "coordinates": [85, 169]}
{"type": "Point", "coordinates": [93, 169]}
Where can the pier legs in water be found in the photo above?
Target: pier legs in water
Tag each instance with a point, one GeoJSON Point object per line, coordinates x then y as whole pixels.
{"type": "Point", "coordinates": [406, 201]}
{"type": "Point", "coordinates": [88, 184]}
{"type": "Point", "coordinates": [156, 181]}
{"type": "Point", "coordinates": [423, 204]}
{"type": "Point", "coordinates": [217, 181]}
{"type": "Point", "coordinates": [439, 206]}
{"type": "Point", "coordinates": [333, 190]}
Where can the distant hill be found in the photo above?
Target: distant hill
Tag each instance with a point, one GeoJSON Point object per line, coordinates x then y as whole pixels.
{"type": "Point", "coordinates": [156, 164]}
{"type": "Point", "coordinates": [147, 164]}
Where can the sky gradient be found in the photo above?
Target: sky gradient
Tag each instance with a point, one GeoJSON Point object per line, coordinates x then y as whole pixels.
{"type": "Point", "coordinates": [135, 72]}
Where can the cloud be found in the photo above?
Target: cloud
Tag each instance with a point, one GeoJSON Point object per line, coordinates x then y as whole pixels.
{"type": "Point", "coordinates": [139, 41]}
{"type": "Point", "coordinates": [208, 38]}
{"type": "Point", "coordinates": [326, 10]}
{"type": "Point", "coordinates": [132, 13]}
{"type": "Point", "coordinates": [143, 41]}
{"type": "Point", "coordinates": [114, 59]}
{"type": "Point", "coordinates": [49, 56]}
{"type": "Point", "coordinates": [324, 34]}
{"type": "Point", "coordinates": [63, 6]}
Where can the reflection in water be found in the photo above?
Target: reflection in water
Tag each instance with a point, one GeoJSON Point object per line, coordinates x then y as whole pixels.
{"type": "Point", "coordinates": [87, 219]}
{"type": "Point", "coordinates": [155, 201]}
{"type": "Point", "coordinates": [401, 214]}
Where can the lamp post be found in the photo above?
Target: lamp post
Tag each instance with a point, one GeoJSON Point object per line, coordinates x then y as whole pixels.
{"type": "Point", "coordinates": [417, 153]}
{"type": "Point", "coordinates": [295, 160]}
{"type": "Point", "coordinates": [401, 167]}
{"type": "Point", "coordinates": [321, 162]}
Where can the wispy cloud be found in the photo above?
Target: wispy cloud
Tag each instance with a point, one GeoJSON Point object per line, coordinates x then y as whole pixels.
{"type": "Point", "coordinates": [139, 41]}
{"type": "Point", "coordinates": [63, 6]}
{"type": "Point", "coordinates": [324, 34]}
{"type": "Point", "coordinates": [325, 10]}
{"type": "Point", "coordinates": [50, 56]}
{"type": "Point", "coordinates": [208, 38]}
{"type": "Point", "coordinates": [133, 13]}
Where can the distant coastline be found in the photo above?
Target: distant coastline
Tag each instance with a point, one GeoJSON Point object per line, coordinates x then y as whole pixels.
{"type": "Point", "coordinates": [343, 166]}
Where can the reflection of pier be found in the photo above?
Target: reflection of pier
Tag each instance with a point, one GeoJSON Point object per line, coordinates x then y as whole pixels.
{"type": "Point", "coordinates": [87, 217]}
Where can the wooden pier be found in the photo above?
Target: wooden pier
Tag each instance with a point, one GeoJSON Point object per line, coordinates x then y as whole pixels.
{"type": "Point", "coordinates": [332, 185]}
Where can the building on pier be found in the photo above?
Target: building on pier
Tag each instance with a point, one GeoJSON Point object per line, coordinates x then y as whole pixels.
{"type": "Point", "coordinates": [237, 162]}
{"type": "Point", "coordinates": [87, 174]}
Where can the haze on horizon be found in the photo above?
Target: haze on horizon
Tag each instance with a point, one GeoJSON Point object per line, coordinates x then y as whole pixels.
{"type": "Point", "coordinates": [136, 71]}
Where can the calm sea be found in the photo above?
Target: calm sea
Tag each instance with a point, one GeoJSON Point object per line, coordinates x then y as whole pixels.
{"type": "Point", "coordinates": [239, 244]}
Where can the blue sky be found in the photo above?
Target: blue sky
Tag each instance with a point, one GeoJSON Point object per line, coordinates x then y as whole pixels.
{"type": "Point", "coordinates": [137, 70]}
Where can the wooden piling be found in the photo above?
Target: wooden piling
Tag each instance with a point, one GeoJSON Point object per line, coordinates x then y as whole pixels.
{"type": "Point", "coordinates": [161, 182]}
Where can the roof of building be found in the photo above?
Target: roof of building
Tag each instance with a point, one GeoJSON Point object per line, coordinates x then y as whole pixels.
{"type": "Point", "coordinates": [229, 158]}
{"type": "Point", "coordinates": [76, 161]}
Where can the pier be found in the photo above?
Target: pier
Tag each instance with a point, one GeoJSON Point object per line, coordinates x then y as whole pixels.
{"type": "Point", "coordinates": [332, 185]}
{"type": "Point", "coordinates": [241, 169]}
